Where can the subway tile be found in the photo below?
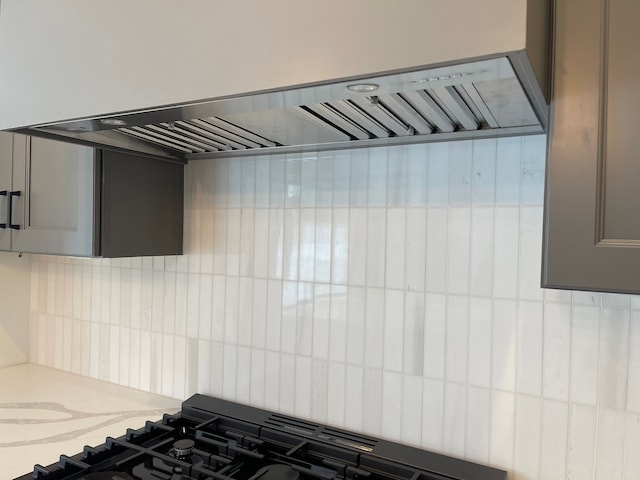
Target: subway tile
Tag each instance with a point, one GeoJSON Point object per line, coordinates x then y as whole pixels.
{"type": "Point", "coordinates": [324, 180]}
{"type": "Point", "coordinates": [395, 248]}
{"type": "Point", "coordinates": [230, 371]}
{"type": "Point", "coordinates": [533, 166]}
{"type": "Point", "coordinates": [243, 379]}
{"type": "Point", "coordinates": [505, 252]}
{"type": "Point", "coordinates": [480, 315]}
{"type": "Point", "coordinates": [358, 176]}
{"type": "Point", "coordinates": [413, 344]}
{"type": "Point", "coordinates": [503, 345]}
{"type": "Point", "coordinates": [257, 375]}
{"type": "Point", "coordinates": [220, 238]}
{"type": "Point", "coordinates": [435, 325]}
{"type": "Point", "coordinates": [372, 407]}
{"type": "Point", "coordinates": [613, 358]}
{"type": "Point", "coordinates": [397, 177]}
{"type": "Point", "coordinates": [319, 389]}
{"type": "Point", "coordinates": [292, 186]}
{"type": "Point", "coordinates": [354, 392]}
{"type": "Point", "coordinates": [477, 433]}
{"type": "Point", "coordinates": [276, 181]}
{"type": "Point", "coordinates": [248, 181]}
{"type": "Point", "coordinates": [392, 405]}
{"type": "Point", "coordinates": [508, 175]}
{"type": "Point", "coordinates": [585, 323]}
{"type": "Point", "coordinates": [321, 321]}
{"type": "Point", "coordinates": [357, 246]}
{"type": "Point", "coordinates": [393, 330]}
{"type": "Point", "coordinates": [336, 401]}
{"type": "Point", "coordinates": [481, 251]}
{"type": "Point", "coordinates": [304, 319]}
{"type": "Point", "coordinates": [610, 445]}
{"type": "Point", "coordinates": [432, 413]}
{"type": "Point", "coordinates": [259, 313]}
{"type": "Point", "coordinates": [527, 436]}
{"type": "Point", "coordinates": [308, 180]}
{"type": "Point", "coordinates": [246, 252]}
{"type": "Point", "coordinates": [458, 247]}
{"type": "Point", "coordinates": [272, 381]}
{"type": "Point", "coordinates": [502, 429]}
{"type": "Point", "coordinates": [460, 174]}
{"type": "Point", "coordinates": [455, 419]}
{"type": "Point", "coordinates": [456, 339]}
{"type": "Point", "coordinates": [633, 385]}
{"type": "Point", "coordinates": [245, 311]}
{"type": "Point", "coordinates": [377, 184]}
{"type": "Point", "coordinates": [341, 171]}
{"type": "Point", "coordinates": [274, 315]}
{"type": "Point", "coordinates": [290, 245]}
{"type": "Point", "coordinates": [322, 245]}
{"type": "Point", "coordinates": [302, 392]}
{"type": "Point", "coordinates": [231, 310]}
{"type": "Point", "coordinates": [437, 250]}
{"type": "Point", "coordinates": [529, 348]}
{"type": "Point", "coordinates": [582, 441]}
{"type": "Point", "coordinates": [355, 335]}
{"type": "Point", "coordinates": [483, 171]}
{"type": "Point", "coordinates": [261, 244]}
{"type": "Point", "coordinates": [340, 253]}
{"type": "Point", "coordinates": [218, 306]}
{"type": "Point", "coordinates": [632, 443]}
{"type": "Point", "coordinates": [374, 328]}
{"type": "Point", "coordinates": [557, 339]}
{"type": "Point", "coordinates": [554, 440]}
{"type": "Point", "coordinates": [530, 251]}
{"type": "Point", "coordinates": [338, 324]}
{"type": "Point", "coordinates": [376, 247]}
{"type": "Point", "coordinates": [415, 254]}
{"type": "Point", "coordinates": [262, 187]}
{"type": "Point", "coordinates": [438, 174]}
{"type": "Point", "coordinates": [306, 251]}
{"type": "Point", "coordinates": [411, 410]}
{"type": "Point", "coordinates": [233, 241]}
{"type": "Point", "coordinates": [417, 165]}
{"type": "Point", "coordinates": [276, 248]}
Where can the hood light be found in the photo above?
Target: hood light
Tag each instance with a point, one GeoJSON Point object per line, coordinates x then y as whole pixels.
{"type": "Point", "coordinates": [363, 87]}
{"type": "Point", "coordinates": [113, 122]}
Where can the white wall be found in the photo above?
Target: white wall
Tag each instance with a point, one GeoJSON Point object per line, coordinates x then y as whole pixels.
{"type": "Point", "coordinates": [14, 311]}
{"type": "Point", "coordinates": [392, 291]}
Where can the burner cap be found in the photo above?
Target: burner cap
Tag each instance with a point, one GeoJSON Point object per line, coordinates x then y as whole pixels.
{"type": "Point", "coordinates": [276, 472]}
{"type": "Point", "coordinates": [183, 448]}
{"type": "Point", "coordinates": [106, 476]}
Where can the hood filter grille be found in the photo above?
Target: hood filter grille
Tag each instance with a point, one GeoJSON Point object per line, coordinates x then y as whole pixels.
{"type": "Point", "coordinates": [418, 112]}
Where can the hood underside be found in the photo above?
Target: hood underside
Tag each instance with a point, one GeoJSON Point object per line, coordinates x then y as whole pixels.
{"type": "Point", "coordinates": [472, 100]}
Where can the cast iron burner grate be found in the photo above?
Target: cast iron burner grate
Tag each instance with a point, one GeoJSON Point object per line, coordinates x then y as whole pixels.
{"type": "Point", "coordinates": [213, 439]}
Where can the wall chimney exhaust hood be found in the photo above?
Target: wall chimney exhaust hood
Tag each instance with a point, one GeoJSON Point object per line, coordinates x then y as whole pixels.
{"type": "Point", "coordinates": [193, 80]}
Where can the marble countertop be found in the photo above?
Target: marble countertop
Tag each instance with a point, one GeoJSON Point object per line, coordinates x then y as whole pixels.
{"type": "Point", "coordinates": [45, 413]}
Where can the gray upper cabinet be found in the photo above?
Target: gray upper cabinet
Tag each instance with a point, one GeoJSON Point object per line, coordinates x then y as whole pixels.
{"type": "Point", "coordinates": [64, 199]}
{"type": "Point", "coordinates": [592, 218]}
{"type": "Point", "coordinates": [54, 212]}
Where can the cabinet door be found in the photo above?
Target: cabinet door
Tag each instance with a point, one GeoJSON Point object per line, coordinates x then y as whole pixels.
{"type": "Point", "coordinates": [592, 222]}
{"type": "Point", "coordinates": [6, 152]}
{"type": "Point", "coordinates": [55, 209]}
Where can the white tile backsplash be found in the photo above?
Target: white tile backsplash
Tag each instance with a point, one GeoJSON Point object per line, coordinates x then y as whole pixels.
{"type": "Point", "coordinates": [393, 291]}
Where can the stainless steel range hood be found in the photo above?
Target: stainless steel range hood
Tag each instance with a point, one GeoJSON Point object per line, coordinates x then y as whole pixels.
{"type": "Point", "coordinates": [492, 94]}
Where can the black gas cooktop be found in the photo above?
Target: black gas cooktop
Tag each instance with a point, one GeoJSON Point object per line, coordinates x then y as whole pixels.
{"type": "Point", "coordinates": [213, 439]}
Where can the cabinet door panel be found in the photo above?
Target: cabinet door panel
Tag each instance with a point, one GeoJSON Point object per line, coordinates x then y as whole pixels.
{"type": "Point", "coordinates": [55, 209]}
{"type": "Point", "coordinates": [6, 152]}
{"type": "Point", "coordinates": [592, 223]}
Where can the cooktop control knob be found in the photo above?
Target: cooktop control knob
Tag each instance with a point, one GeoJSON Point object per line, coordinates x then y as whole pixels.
{"type": "Point", "coordinates": [183, 448]}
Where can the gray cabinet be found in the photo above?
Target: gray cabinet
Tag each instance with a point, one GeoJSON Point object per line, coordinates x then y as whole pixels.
{"type": "Point", "coordinates": [67, 199]}
{"type": "Point", "coordinates": [592, 204]}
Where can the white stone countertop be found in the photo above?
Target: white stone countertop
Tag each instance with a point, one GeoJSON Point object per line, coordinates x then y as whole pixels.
{"type": "Point", "coordinates": [45, 413]}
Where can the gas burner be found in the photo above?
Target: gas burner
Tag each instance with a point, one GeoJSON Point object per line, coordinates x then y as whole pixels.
{"type": "Point", "coordinates": [183, 449]}
{"type": "Point", "coordinates": [276, 472]}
